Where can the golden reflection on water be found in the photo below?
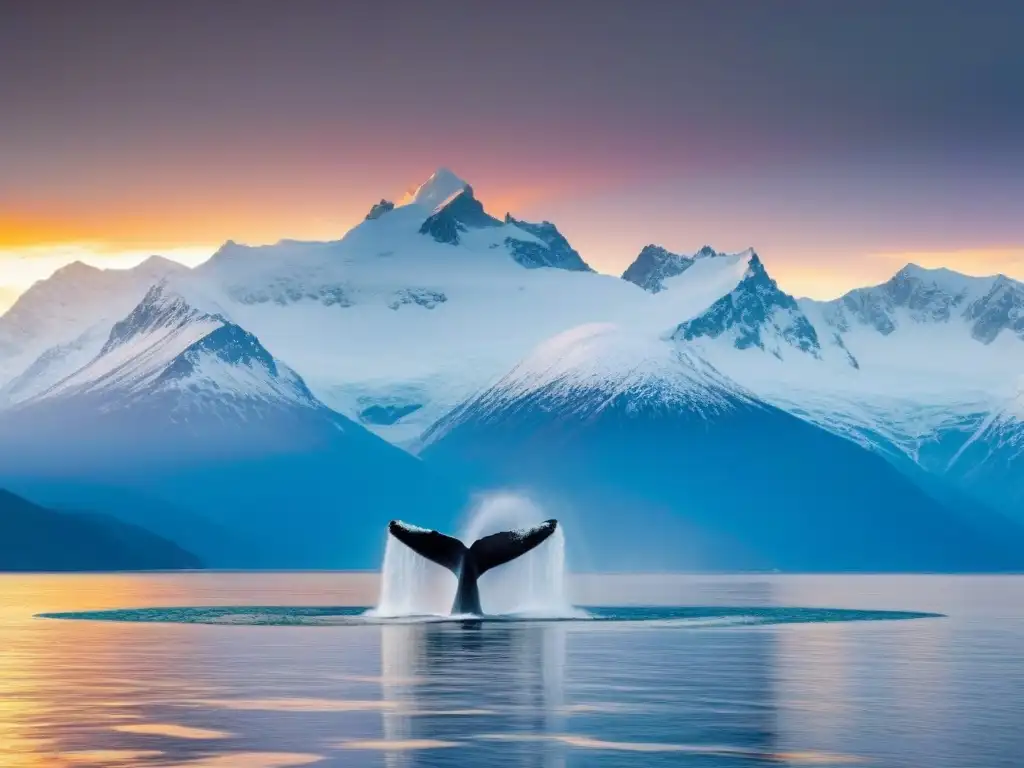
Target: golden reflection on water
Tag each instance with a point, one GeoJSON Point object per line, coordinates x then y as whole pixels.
{"type": "Point", "coordinates": [38, 658]}
{"type": "Point", "coordinates": [397, 745]}
{"type": "Point", "coordinates": [77, 694]}
{"type": "Point", "coordinates": [106, 757]}
{"type": "Point", "coordinates": [296, 705]}
{"type": "Point", "coordinates": [252, 760]}
{"type": "Point", "coordinates": [172, 730]}
{"type": "Point", "coordinates": [64, 683]}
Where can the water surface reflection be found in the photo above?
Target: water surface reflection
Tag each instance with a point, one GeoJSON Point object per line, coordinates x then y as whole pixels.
{"type": "Point", "coordinates": [947, 693]}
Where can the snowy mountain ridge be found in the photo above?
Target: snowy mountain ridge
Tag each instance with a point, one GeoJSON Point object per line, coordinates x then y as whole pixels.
{"type": "Point", "coordinates": [166, 346]}
{"type": "Point", "coordinates": [61, 322]}
{"type": "Point", "coordinates": [583, 370]}
{"type": "Point", "coordinates": [424, 304]}
{"type": "Point", "coordinates": [434, 324]}
{"type": "Point", "coordinates": [916, 295]}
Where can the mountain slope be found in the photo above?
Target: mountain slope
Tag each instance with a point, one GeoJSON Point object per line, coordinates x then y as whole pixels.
{"type": "Point", "coordinates": [188, 407]}
{"type": "Point", "coordinates": [33, 538]}
{"type": "Point", "coordinates": [60, 323]}
{"type": "Point", "coordinates": [912, 368]}
{"type": "Point", "coordinates": [657, 460]}
{"type": "Point", "coordinates": [991, 460]}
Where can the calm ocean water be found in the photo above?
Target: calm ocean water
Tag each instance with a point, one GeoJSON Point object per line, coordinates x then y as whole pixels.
{"type": "Point", "coordinates": [924, 693]}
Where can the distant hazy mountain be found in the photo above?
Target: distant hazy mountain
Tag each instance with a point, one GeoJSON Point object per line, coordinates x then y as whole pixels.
{"type": "Point", "coordinates": [251, 392]}
{"type": "Point", "coordinates": [33, 538]}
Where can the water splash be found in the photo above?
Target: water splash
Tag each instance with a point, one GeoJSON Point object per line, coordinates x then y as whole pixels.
{"type": "Point", "coordinates": [531, 585]}
{"type": "Point", "coordinates": [411, 585]}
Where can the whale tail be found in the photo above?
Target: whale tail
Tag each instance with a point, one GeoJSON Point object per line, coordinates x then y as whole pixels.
{"type": "Point", "coordinates": [469, 563]}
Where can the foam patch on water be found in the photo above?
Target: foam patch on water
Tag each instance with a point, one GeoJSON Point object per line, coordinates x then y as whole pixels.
{"type": "Point", "coordinates": [683, 617]}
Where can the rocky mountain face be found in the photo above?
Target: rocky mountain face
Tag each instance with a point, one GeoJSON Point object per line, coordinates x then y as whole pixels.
{"type": "Point", "coordinates": [921, 296]}
{"type": "Point", "coordinates": [755, 314]}
{"type": "Point", "coordinates": [654, 265]}
{"type": "Point", "coordinates": [552, 251]}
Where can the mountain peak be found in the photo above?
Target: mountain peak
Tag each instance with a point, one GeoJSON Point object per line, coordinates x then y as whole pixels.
{"type": "Point", "coordinates": [654, 264]}
{"type": "Point", "coordinates": [916, 271]}
{"type": "Point", "coordinates": [156, 260]}
{"type": "Point", "coordinates": [914, 294]}
{"type": "Point", "coordinates": [1001, 308]}
{"type": "Point", "coordinates": [457, 213]}
{"type": "Point", "coordinates": [160, 308]}
{"type": "Point", "coordinates": [441, 186]}
{"type": "Point", "coordinates": [226, 367]}
{"type": "Point", "coordinates": [76, 270]}
{"type": "Point", "coordinates": [755, 314]}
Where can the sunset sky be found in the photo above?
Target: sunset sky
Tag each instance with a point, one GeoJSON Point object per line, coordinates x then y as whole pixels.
{"type": "Point", "coordinates": [840, 139]}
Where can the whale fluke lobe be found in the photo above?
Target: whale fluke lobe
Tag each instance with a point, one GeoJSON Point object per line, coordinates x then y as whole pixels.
{"type": "Point", "coordinates": [441, 549]}
{"type": "Point", "coordinates": [500, 548]}
{"type": "Point", "coordinates": [469, 563]}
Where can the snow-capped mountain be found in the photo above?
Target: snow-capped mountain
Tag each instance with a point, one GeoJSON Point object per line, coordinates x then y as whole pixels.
{"type": "Point", "coordinates": [989, 305]}
{"type": "Point", "coordinates": [189, 360]}
{"type": "Point", "coordinates": [414, 309]}
{"type": "Point", "coordinates": [555, 251]}
{"type": "Point", "coordinates": [658, 460]}
{"type": "Point", "coordinates": [755, 314]}
{"type": "Point", "coordinates": [583, 370]}
{"type": "Point", "coordinates": [60, 323]}
{"type": "Point", "coordinates": [434, 318]}
{"type": "Point", "coordinates": [947, 345]}
{"type": "Point", "coordinates": [191, 409]}
{"type": "Point", "coordinates": [912, 368]}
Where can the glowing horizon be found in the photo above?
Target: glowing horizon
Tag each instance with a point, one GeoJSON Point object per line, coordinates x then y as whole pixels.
{"type": "Point", "coordinates": [20, 267]}
{"type": "Point", "coordinates": [834, 167]}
